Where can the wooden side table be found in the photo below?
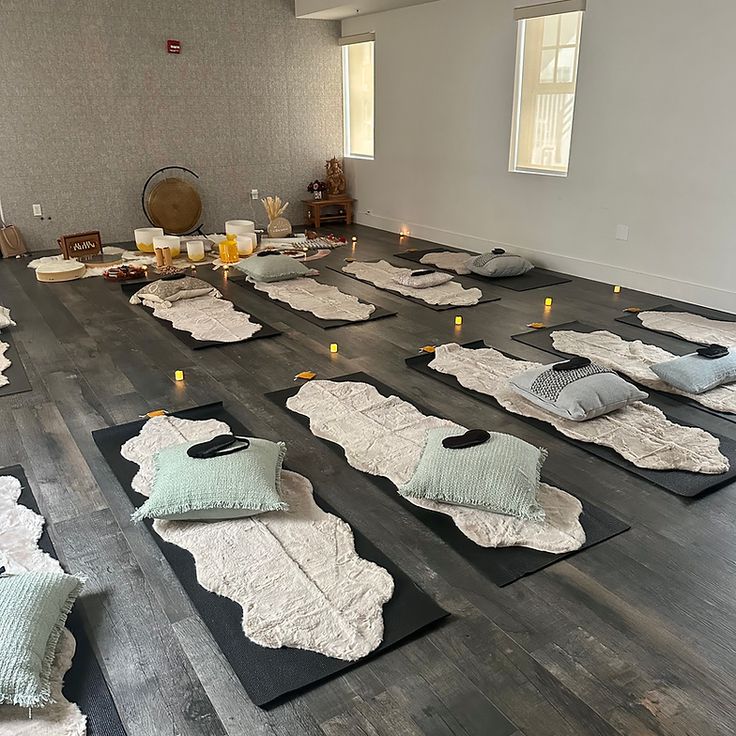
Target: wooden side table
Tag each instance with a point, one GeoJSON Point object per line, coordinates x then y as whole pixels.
{"type": "Point", "coordinates": [316, 215]}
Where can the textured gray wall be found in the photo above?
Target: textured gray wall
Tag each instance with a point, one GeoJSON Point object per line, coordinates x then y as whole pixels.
{"type": "Point", "coordinates": [92, 104]}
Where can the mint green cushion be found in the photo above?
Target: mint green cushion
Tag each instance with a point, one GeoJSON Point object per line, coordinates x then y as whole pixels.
{"type": "Point", "coordinates": [33, 611]}
{"type": "Point", "coordinates": [272, 268]}
{"type": "Point", "coordinates": [226, 487]}
{"type": "Point", "coordinates": [501, 475]}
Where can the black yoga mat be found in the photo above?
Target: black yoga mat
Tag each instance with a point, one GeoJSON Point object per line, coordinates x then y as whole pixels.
{"type": "Point", "coordinates": [633, 319]}
{"type": "Point", "coordinates": [269, 676]}
{"type": "Point", "coordinates": [266, 330]}
{"type": "Point", "coordinates": [436, 307]}
{"type": "Point", "coordinates": [326, 324]}
{"type": "Point", "coordinates": [542, 340]}
{"type": "Point", "coordinates": [84, 683]}
{"type": "Point", "coordinates": [681, 482]}
{"type": "Point", "coordinates": [16, 373]}
{"type": "Point", "coordinates": [502, 565]}
{"type": "Point", "coordinates": [537, 278]}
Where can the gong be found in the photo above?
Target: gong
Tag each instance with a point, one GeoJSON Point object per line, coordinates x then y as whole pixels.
{"type": "Point", "coordinates": [174, 205]}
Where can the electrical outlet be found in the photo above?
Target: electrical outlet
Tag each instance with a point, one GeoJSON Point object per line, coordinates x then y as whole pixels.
{"type": "Point", "coordinates": [254, 194]}
{"type": "Point", "coordinates": [37, 211]}
{"type": "Point", "coordinates": [622, 232]}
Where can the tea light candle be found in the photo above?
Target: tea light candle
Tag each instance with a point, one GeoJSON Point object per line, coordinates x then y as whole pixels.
{"type": "Point", "coordinates": [617, 289]}
{"type": "Point", "coordinates": [458, 320]}
{"type": "Point", "coordinates": [195, 250]}
{"type": "Point", "coordinates": [179, 375]}
{"type": "Point", "coordinates": [144, 237]}
{"type": "Point", "coordinates": [239, 227]}
{"type": "Point", "coordinates": [355, 240]}
{"type": "Point", "coordinates": [548, 301]}
{"type": "Point", "coordinates": [333, 347]}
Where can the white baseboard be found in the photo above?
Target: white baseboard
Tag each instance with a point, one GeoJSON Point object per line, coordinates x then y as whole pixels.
{"type": "Point", "coordinates": [664, 286]}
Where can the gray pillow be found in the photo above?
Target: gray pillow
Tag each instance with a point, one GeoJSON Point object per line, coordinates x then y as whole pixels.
{"type": "Point", "coordinates": [165, 292]}
{"type": "Point", "coordinates": [420, 280]}
{"type": "Point", "coordinates": [501, 475]}
{"type": "Point", "coordinates": [267, 268]}
{"type": "Point", "coordinates": [227, 486]}
{"type": "Point", "coordinates": [578, 394]}
{"type": "Point", "coordinates": [498, 264]}
{"type": "Point", "coordinates": [696, 374]}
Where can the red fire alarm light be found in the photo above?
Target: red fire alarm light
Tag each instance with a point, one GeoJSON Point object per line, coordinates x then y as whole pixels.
{"type": "Point", "coordinates": [173, 47]}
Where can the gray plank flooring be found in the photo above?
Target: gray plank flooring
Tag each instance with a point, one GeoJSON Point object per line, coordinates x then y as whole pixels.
{"type": "Point", "coordinates": [635, 636]}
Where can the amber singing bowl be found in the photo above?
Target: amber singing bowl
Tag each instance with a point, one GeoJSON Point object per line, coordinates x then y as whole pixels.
{"type": "Point", "coordinates": [174, 205]}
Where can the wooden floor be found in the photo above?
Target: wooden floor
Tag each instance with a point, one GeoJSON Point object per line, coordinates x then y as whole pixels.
{"type": "Point", "coordinates": [636, 636]}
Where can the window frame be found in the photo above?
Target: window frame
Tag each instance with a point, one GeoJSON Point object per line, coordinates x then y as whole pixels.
{"type": "Point", "coordinates": [346, 99]}
{"type": "Point", "coordinates": [518, 100]}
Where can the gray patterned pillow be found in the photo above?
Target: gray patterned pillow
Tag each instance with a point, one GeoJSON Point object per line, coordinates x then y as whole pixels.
{"type": "Point", "coordinates": [166, 291]}
{"type": "Point", "coordinates": [500, 475]}
{"type": "Point", "coordinates": [499, 264]}
{"type": "Point", "coordinates": [696, 374]}
{"type": "Point", "coordinates": [422, 278]}
{"type": "Point", "coordinates": [578, 393]}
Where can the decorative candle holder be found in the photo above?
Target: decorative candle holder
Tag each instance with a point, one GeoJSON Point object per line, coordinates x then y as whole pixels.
{"type": "Point", "coordinates": [229, 250]}
{"type": "Point", "coordinates": [195, 250]}
{"type": "Point", "coordinates": [144, 238]}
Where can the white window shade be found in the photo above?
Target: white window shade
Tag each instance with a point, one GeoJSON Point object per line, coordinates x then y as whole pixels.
{"type": "Point", "coordinates": [358, 95]}
{"type": "Point", "coordinates": [543, 9]}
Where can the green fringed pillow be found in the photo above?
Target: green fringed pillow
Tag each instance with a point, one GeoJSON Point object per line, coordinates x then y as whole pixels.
{"type": "Point", "coordinates": [501, 475]}
{"type": "Point", "coordinates": [272, 267]}
{"type": "Point", "coordinates": [230, 486]}
{"type": "Point", "coordinates": [33, 610]}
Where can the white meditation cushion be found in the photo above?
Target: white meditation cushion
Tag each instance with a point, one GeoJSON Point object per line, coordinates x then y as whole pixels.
{"type": "Point", "coordinates": [60, 271]}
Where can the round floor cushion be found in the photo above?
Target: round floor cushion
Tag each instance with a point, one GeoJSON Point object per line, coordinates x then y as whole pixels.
{"type": "Point", "coordinates": [60, 271]}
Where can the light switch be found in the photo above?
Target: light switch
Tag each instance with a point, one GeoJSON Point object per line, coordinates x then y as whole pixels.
{"type": "Point", "coordinates": [37, 211]}
{"type": "Point", "coordinates": [622, 232]}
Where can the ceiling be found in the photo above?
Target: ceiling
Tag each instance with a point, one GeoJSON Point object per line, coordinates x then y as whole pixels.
{"type": "Point", "coordinates": [331, 10]}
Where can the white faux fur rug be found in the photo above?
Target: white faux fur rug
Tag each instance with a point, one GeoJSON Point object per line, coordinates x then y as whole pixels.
{"type": "Point", "coordinates": [322, 300]}
{"type": "Point", "coordinates": [382, 274]}
{"type": "Point", "coordinates": [295, 573]}
{"type": "Point", "coordinates": [640, 433]}
{"type": "Point", "coordinates": [448, 260]}
{"type": "Point", "coordinates": [383, 435]}
{"type": "Point", "coordinates": [691, 327]}
{"type": "Point", "coordinates": [633, 358]}
{"type": "Point", "coordinates": [208, 318]}
{"type": "Point", "coordinates": [129, 257]}
{"type": "Point", "coordinates": [20, 530]}
{"type": "Point", "coordinates": [5, 363]}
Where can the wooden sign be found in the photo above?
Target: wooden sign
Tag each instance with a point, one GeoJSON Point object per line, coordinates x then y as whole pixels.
{"type": "Point", "coordinates": [81, 245]}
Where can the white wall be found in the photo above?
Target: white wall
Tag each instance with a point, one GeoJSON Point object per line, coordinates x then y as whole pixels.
{"type": "Point", "coordinates": [652, 142]}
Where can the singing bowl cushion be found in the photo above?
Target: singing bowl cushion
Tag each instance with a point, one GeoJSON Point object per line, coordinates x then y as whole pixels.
{"type": "Point", "coordinates": [60, 271]}
{"type": "Point", "coordinates": [500, 475]}
{"type": "Point", "coordinates": [696, 374]}
{"type": "Point", "coordinates": [272, 267]}
{"type": "Point", "coordinates": [577, 394]}
{"type": "Point", "coordinates": [499, 265]}
{"type": "Point", "coordinates": [165, 292]}
{"type": "Point", "coordinates": [225, 486]}
{"type": "Point", "coordinates": [33, 610]}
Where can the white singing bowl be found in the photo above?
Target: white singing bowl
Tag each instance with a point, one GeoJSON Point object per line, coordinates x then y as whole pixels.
{"type": "Point", "coordinates": [239, 227]}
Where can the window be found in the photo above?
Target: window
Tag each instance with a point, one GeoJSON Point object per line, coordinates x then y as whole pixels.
{"type": "Point", "coordinates": [358, 95]}
{"type": "Point", "coordinates": [548, 45]}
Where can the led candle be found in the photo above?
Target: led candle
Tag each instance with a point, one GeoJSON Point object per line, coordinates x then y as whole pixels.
{"type": "Point", "coordinates": [333, 347]}
{"type": "Point", "coordinates": [548, 301]}
{"type": "Point", "coordinates": [617, 289]}
{"type": "Point", "coordinates": [179, 375]}
{"type": "Point", "coordinates": [458, 320]}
